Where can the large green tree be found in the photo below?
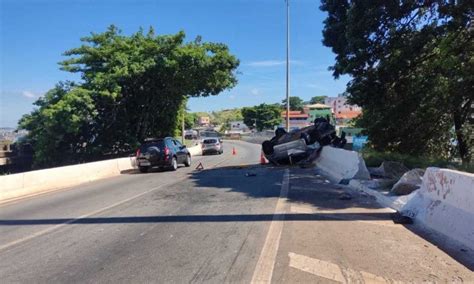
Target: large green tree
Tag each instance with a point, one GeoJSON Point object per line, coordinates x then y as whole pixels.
{"type": "Point", "coordinates": [317, 100]}
{"type": "Point", "coordinates": [412, 64]}
{"type": "Point", "coordinates": [263, 116]}
{"type": "Point", "coordinates": [296, 103]}
{"type": "Point", "coordinates": [132, 87]}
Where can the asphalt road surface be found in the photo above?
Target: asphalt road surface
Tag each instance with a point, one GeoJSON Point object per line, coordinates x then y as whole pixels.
{"type": "Point", "coordinates": [235, 221]}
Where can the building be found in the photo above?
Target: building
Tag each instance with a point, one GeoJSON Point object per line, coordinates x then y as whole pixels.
{"type": "Point", "coordinates": [318, 110]}
{"type": "Point", "coordinates": [204, 121]}
{"type": "Point", "coordinates": [298, 119]}
{"type": "Point", "coordinates": [343, 111]}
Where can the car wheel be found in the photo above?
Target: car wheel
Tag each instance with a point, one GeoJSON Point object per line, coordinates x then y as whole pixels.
{"type": "Point", "coordinates": [143, 169]}
{"type": "Point", "coordinates": [187, 163]}
{"type": "Point", "coordinates": [174, 164]}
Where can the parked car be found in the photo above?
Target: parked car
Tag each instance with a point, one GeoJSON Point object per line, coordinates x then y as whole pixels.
{"type": "Point", "coordinates": [212, 145]}
{"type": "Point", "coordinates": [163, 153]}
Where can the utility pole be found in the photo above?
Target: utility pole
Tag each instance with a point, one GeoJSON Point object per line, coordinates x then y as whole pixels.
{"type": "Point", "coordinates": [288, 65]}
{"type": "Point", "coordinates": [182, 125]}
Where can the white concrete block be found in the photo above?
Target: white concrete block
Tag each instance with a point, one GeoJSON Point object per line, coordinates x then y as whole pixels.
{"type": "Point", "coordinates": [341, 164]}
{"type": "Point", "coordinates": [445, 203]}
{"type": "Point", "coordinates": [195, 150]}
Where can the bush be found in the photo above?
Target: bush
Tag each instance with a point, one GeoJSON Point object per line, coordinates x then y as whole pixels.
{"type": "Point", "coordinates": [374, 158]}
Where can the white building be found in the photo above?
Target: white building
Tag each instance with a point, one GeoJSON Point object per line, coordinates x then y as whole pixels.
{"type": "Point", "coordinates": [341, 108]}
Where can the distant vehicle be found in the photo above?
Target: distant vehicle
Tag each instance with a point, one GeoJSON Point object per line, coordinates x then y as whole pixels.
{"type": "Point", "coordinates": [208, 134]}
{"type": "Point", "coordinates": [190, 134]}
{"type": "Point", "coordinates": [212, 145]}
{"type": "Point", "coordinates": [163, 153]}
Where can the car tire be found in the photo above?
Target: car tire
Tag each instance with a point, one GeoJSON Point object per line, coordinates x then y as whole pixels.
{"type": "Point", "coordinates": [143, 169]}
{"type": "Point", "coordinates": [174, 164]}
{"type": "Point", "coordinates": [187, 162]}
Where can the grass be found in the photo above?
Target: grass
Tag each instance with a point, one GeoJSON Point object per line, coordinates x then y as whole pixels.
{"type": "Point", "coordinates": [374, 159]}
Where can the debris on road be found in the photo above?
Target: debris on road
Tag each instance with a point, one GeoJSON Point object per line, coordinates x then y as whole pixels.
{"type": "Point", "coordinates": [250, 174]}
{"type": "Point", "coordinates": [389, 169]}
{"type": "Point", "coordinates": [301, 145]}
{"type": "Point", "coordinates": [409, 182]}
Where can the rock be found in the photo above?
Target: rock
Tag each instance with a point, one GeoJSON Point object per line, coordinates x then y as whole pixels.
{"type": "Point", "coordinates": [381, 183]}
{"type": "Point", "coordinates": [409, 182]}
{"type": "Point", "coordinates": [345, 196]}
{"type": "Point", "coordinates": [389, 169]}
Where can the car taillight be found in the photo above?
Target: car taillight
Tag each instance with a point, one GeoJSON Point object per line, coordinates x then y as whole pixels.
{"type": "Point", "coordinates": [167, 152]}
{"type": "Point", "coordinates": [138, 152]}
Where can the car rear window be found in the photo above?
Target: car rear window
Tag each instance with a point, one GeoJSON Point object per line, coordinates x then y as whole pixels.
{"type": "Point", "coordinates": [160, 144]}
{"type": "Point", "coordinates": [209, 141]}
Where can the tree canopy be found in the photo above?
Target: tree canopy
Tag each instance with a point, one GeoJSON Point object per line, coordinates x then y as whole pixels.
{"type": "Point", "coordinates": [412, 69]}
{"type": "Point", "coordinates": [296, 103]}
{"type": "Point", "coordinates": [132, 87]}
{"type": "Point", "coordinates": [317, 100]}
{"type": "Point", "coordinates": [263, 116]}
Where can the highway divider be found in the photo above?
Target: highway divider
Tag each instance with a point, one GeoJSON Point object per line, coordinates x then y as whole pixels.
{"type": "Point", "coordinates": [445, 203]}
{"type": "Point", "coordinates": [340, 164]}
{"type": "Point", "coordinates": [34, 182]}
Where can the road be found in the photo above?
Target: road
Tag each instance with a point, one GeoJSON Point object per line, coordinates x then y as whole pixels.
{"type": "Point", "coordinates": [235, 221]}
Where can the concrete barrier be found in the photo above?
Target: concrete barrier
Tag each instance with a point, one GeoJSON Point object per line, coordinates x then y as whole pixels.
{"type": "Point", "coordinates": [34, 182]}
{"type": "Point", "coordinates": [195, 150]}
{"type": "Point", "coordinates": [339, 164]}
{"type": "Point", "coordinates": [445, 203]}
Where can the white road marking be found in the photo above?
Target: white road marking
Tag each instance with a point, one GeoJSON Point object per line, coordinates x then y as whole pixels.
{"type": "Point", "coordinates": [333, 271]}
{"type": "Point", "coordinates": [264, 270]}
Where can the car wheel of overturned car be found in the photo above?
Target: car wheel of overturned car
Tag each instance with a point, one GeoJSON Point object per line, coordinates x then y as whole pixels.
{"type": "Point", "coordinates": [143, 169]}
{"type": "Point", "coordinates": [267, 147]}
{"type": "Point", "coordinates": [187, 163]}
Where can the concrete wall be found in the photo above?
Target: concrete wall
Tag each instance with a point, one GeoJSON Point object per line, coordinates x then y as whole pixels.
{"type": "Point", "coordinates": [339, 164]}
{"type": "Point", "coordinates": [17, 185]}
{"type": "Point", "coordinates": [445, 203]}
{"type": "Point", "coordinates": [34, 182]}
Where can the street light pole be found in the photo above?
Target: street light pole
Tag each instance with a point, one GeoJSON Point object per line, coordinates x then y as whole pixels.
{"type": "Point", "coordinates": [288, 65]}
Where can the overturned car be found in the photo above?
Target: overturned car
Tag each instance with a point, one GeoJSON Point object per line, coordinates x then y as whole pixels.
{"type": "Point", "coordinates": [301, 145]}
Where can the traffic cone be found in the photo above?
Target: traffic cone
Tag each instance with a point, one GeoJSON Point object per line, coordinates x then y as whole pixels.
{"type": "Point", "coordinates": [234, 152]}
{"type": "Point", "coordinates": [263, 161]}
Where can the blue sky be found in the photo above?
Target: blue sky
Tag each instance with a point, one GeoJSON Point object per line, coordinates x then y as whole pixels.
{"type": "Point", "coordinates": [35, 33]}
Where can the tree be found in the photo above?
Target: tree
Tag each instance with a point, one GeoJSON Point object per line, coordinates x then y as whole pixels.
{"type": "Point", "coordinates": [262, 117]}
{"type": "Point", "coordinates": [296, 103]}
{"type": "Point", "coordinates": [133, 87]}
{"type": "Point", "coordinates": [412, 68]}
{"type": "Point", "coordinates": [317, 100]}
{"type": "Point", "coordinates": [224, 117]}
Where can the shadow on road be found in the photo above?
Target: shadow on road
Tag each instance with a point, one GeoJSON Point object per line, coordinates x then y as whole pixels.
{"type": "Point", "coordinates": [203, 219]}
{"type": "Point", "coordinates": [306, 187]}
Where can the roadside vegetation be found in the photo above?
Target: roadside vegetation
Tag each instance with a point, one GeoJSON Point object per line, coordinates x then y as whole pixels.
{"type": "Point", "coordinates": [412, 70]}
{"type": "Point", "coordinates": [375, 158]}
{"type": "Point", "coordinates": [132, 87]}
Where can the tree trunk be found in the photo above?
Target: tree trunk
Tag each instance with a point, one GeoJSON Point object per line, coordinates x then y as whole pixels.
{"type": "Point", "coordinates": [463, 146]}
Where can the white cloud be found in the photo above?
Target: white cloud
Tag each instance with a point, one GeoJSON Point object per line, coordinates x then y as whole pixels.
{"type": "Point", "coordinates": [28, 94]}
{"type": "Point", "coordinates": [271, 63]}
